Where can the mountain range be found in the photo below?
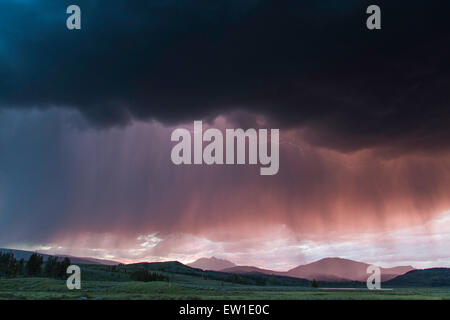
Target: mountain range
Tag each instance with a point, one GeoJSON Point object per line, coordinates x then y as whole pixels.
{"type": "Point", "coordinates": [327, 269]}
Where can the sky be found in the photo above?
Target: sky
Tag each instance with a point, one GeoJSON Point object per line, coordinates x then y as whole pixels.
{"type": "Point", "coordinates": [86, 118]}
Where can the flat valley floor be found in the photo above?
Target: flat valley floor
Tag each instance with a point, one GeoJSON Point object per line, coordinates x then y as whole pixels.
{"type": "Point", "coordinates": [192, 288]}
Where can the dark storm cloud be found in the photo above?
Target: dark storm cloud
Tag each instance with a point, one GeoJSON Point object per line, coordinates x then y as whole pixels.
{"type": "Point", "coordinates": [300, 63]}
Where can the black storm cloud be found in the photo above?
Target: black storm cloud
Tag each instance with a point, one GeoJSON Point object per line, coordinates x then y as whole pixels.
{"type": "Point", "coordinates": [311, 64]}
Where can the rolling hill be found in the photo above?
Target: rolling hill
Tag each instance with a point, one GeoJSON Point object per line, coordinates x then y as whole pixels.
{"type": "Point", "coordinates": [22, 254]}
{"type": "Point", "coordinates": [433, 277]}
{"type": "Point", "coordinates": [172, 268]}
{"type": "Point", "coordinates": [252, 270]}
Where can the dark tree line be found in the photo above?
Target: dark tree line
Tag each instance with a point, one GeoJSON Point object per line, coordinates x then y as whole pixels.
{"type": "Point", "coordinates": [54, 267]}
{"type": "Point", "coordinates": [34, 265]}
{"type": "Point", "coordinates": [9, 266]}
{"type": "Point", "coordinates": [146, 276]}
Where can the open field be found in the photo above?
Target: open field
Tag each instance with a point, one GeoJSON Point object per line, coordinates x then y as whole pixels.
{"type": "Point", "coordinates": [43, 288]}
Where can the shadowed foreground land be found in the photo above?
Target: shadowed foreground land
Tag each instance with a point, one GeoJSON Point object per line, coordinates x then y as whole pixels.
{"type": "Point", "coordinates": [44, 288]}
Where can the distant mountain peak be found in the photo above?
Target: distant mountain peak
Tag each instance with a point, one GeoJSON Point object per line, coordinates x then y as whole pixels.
{"type": "Point", "coordinates": [342, 269]}
{"type": "Point", "coordinates": [213, 264]}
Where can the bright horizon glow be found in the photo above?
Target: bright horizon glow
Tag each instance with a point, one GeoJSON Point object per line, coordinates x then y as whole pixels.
{"type": "Point", "coordinates": [394, 248]}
